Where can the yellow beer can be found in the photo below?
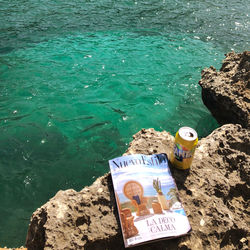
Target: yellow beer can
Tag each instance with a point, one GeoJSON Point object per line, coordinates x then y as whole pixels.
{"type": "Point", "coordinates": [186, 140]}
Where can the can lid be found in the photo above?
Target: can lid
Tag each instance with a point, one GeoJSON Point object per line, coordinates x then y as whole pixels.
{"type": "Point", "coordinates": [188, 134]}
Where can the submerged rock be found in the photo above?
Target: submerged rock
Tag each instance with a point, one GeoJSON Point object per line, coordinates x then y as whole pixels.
{"type": "Point", "coordinates": [227, 93]}
{"type": "Point", "coordinates": [214, 192]}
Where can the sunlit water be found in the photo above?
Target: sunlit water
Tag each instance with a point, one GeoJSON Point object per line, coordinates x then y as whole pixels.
{"type": "Point", "coordinates": [79, 78]}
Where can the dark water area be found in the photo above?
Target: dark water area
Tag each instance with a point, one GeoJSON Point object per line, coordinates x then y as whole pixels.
{"type": "Point", "coordinates": [79, 78]}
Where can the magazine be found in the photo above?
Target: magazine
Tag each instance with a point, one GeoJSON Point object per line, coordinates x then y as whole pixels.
{"type": "Point", "coordinates": [147, 199]}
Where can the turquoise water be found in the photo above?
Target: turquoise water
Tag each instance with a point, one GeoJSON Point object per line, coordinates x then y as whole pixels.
{"type": "Point", "coordinates": [79, 78]}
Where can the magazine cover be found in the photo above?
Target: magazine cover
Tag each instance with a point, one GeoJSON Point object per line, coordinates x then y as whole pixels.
{"type": "Point", "coordinates": [147, 199]}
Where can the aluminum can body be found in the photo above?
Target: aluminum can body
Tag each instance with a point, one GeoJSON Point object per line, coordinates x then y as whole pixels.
{"type": "Point", "coordinates": [186, 140]}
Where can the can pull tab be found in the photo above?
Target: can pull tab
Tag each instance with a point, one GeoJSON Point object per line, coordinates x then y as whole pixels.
{"type": "Point", "coordinates": [189, 134]}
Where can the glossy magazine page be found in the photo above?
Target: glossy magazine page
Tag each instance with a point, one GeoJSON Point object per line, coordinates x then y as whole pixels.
{"type": "Point", "coordinates": [147, 199]}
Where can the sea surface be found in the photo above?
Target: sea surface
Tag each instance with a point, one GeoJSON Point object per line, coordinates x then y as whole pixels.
{"type": "Point", "coordinates": [79, 78]}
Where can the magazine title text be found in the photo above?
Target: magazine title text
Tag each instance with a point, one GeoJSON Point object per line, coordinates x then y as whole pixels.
{"type": "Point", "coordinates": [155, 160]}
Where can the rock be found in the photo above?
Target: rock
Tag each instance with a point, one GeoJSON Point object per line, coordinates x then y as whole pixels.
{"type": "Point", "coordinates": [76, 220]}
{"type": "Point", "coordinates": [214, 192]}
{"type": "Point", "coordinates": [227, 93]}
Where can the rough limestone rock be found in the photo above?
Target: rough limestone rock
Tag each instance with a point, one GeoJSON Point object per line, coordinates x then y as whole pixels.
{"type": "Point", "coordinates": [214, 192]}
{"type": "Point", "coordinates": [227, 93]}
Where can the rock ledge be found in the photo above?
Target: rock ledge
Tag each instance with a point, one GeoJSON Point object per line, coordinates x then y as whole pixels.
{"type": "Point", "coordinates": [215, 195]}
{"type": "Point", "coordinates": [227, 93]}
